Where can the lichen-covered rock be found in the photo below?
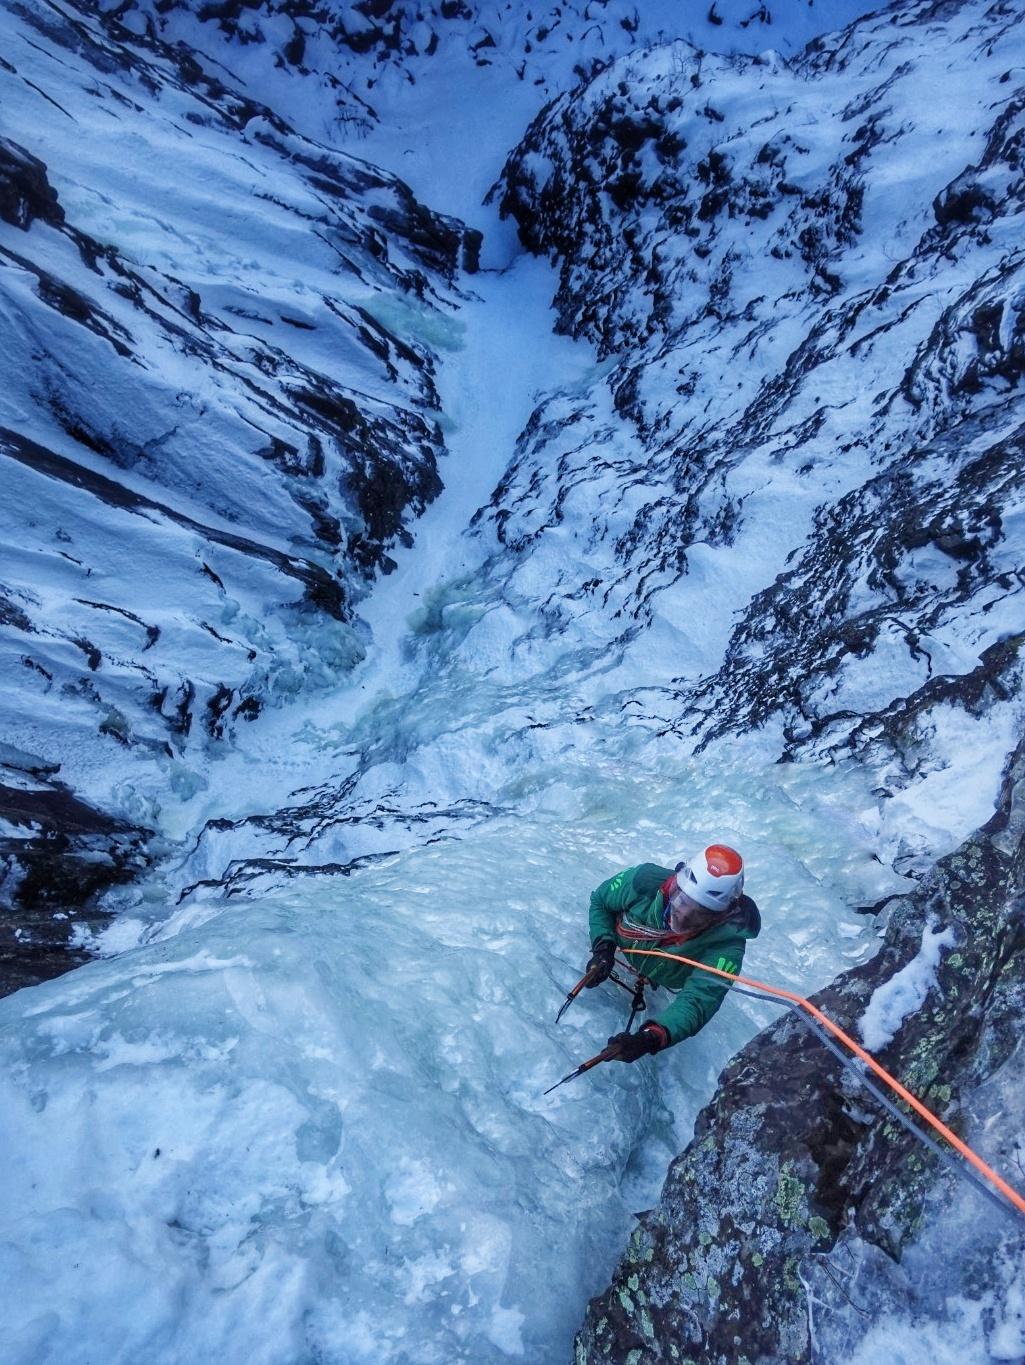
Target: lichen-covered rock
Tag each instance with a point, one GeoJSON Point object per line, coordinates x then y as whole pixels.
{"type": "Point", "coordinates": [792, 1154]}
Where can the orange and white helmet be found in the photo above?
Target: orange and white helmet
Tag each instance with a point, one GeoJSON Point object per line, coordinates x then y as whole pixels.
{"type": "Point", "coordinates": [714, 877]}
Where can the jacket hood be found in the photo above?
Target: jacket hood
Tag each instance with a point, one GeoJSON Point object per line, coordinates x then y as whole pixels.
{"type": "Point", "coordinates": [747, 917]}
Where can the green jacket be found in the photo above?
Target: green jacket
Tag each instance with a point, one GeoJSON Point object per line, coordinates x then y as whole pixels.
{"type": "Point", "coordinates": [628, 910]}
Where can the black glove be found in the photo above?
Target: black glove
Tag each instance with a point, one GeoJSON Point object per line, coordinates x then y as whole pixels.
{"type": "Point", "coordinates": [650, 1037]}
{"type": "Point", "coordinates": [603, 955]}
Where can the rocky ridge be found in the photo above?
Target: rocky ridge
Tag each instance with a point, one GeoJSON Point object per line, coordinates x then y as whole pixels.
{"type": "Point", "coordinates": [345, 57]}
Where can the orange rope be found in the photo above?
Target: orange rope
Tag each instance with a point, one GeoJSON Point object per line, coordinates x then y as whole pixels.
{"type": "Point", "coordinates": [895, 1085]}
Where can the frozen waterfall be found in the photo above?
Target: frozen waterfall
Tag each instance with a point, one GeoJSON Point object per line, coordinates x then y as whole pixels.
{"type": "Point", "coordinates": [294, 1113]}
{"type": "Point", "coordinates": [308, 1123]}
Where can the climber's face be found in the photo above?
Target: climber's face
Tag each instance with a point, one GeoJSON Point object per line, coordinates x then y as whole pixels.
{"type": "Point", "coordinates": [685, 914]}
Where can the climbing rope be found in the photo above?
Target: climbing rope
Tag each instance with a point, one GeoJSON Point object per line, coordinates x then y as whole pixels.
{"type": "Point", "coordinates": [821, 1024]}
{"type": "Point", "coordinates": [964, 1172]}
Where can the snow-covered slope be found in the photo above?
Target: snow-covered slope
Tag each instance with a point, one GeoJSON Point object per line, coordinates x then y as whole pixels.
{"type": "Point", "coordinates": [225, 330]}
{"type": "Point", "coordinates": [441, 92]}
{"type": "Point", "coordinates": [352, 59]}
{"type": "Point", "coordinates": [787, 499]}
{"type": "Point", "coordinates": [208, 435]}
{"type": "Point", "coordinates": [807, 278]}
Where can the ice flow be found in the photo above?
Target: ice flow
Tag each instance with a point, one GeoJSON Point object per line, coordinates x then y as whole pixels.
{"type": "Point", "coordinates": [311, 1125]}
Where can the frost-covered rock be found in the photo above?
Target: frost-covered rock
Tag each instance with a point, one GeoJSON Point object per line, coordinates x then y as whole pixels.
{"type": "Point", "coordinates": [799, 1197]}
{"type": "Point", "coordinates": [806, 279]}
{"type": "Point", "coordinates": [56, 854]}
{"type": "Point", "coordinates": [668, 562]}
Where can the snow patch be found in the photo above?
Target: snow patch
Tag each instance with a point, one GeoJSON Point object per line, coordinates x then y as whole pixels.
{"type": "Point", "coordinates": [905, 992]}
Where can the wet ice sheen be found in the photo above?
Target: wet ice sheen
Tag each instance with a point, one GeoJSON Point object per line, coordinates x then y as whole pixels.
{"type": "Point", "coordinates": [312, 1126]}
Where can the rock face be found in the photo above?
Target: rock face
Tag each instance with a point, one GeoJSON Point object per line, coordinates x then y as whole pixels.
{"type": "Point", "coordinates": [793, 1158]}
{"type": "Point", "coordinates": [330, 63]}
{"type": "Point", "coordinates": [25, 192]}
{"type": "Point", "coordinates": [57, 854]}
{"type": "Point", "coordinates": [824, 376]}
{"type": "Point", "coordinates": [218, 414]}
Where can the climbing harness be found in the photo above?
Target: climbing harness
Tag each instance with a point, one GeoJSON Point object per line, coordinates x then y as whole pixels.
{"type": "Point", "coordinates": [636, 993]}
{"type": "Point", "coordinates": [1008, 1199]}
{"type": "Point", "coordinates": [636, 1002]}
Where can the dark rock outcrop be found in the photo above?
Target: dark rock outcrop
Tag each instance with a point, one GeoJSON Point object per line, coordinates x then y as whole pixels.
{"type": "Point", "coordinates": [792, 1154]}
{"type": "Point", "coordinates": [58, 854]}
{"type": "Point", "coordinates": [25, 192]}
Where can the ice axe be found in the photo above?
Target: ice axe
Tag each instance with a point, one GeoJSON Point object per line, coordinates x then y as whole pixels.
{"type": "Point", "coordinates": [606, 1055]}
{"type": "Point", "coordinates": [585, 980]}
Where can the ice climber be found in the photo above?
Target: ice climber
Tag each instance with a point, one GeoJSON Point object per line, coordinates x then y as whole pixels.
{"type": "Point", "coordinates": [699, 910]}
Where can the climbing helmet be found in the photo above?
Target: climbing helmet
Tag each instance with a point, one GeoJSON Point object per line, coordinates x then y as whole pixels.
{"type": "Point", "coordinates": [714, 877]}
